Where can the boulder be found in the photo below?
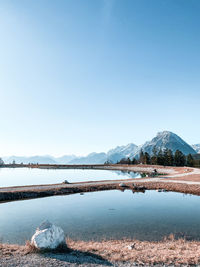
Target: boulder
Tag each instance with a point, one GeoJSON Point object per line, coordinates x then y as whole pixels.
{"type": "Point", "coordinates": [48, 236]}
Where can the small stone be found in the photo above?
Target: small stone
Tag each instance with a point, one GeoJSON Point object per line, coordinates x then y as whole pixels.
{"type": "Point", "coordinates": [130, 247]}
{"type": "Point", "coordinates": [122, 185]}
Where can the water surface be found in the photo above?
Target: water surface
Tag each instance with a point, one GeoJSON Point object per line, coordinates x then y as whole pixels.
{"type": "Point", "coordinates": [29, 176]}
{"type": "Point", "coordinates": [105, 215]}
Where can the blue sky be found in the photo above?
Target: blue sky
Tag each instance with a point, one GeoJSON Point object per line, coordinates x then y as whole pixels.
{"type": "Point", "coordinates": [80, 76]}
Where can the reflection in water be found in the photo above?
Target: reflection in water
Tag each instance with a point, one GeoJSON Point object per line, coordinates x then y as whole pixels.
{"type": "Point", "coordinates": [105, 215]}
{"type": "Point", "coordinates": [129, 174]}
{"type": "Point", "coordinates": [28, 176]}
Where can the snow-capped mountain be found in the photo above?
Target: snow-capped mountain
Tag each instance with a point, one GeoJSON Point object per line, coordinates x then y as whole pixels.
{"type": "Point", "coordinates": [196, 148]}
{"type": "Point", "coordinates": [121, 152]}
{"type": "Point", "coordinates": [165, 140]}
{"type": "Point", "coordinates": [113, 155]}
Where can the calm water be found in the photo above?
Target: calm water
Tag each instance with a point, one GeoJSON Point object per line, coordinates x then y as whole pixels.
{"type": "Point", "coordinates": [109, 214]}
{"type": "Point", "coordinates": [26, 176]}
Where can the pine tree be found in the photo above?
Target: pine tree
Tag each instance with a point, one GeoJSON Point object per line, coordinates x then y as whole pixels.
{"type": "Point", "coordinates": [154, 160]}
{"type": "Point", "coordinates": [147, 158]}
{"type": "Point", "coordinates": [134, 161]}
{"type": "Point", "coordinates": [160, 158]}
{"type": "Point", "coordinates": [179, 158]}
{"type": "Point", "coordinates": [1, 161]}
{"type": "Point", "coordinates": [168, 157]}
{"type": "Point", "coordinates": [165, 157]}
{"type": "Point", "coordinates": [128, 161]}
{"type": "Point", "coordinates": [190, 160]}
{"type": "Point", "coordinates": [141, 159]}
{"type": "Point", "coordinates": [123, 161]}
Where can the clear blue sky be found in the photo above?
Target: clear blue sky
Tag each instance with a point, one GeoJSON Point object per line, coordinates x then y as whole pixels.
{"type": "Point", "coordinates": [78, 76]}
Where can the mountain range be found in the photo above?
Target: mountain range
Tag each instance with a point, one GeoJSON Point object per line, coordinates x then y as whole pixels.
{"type": "Point", "coordinates": [161, 141]}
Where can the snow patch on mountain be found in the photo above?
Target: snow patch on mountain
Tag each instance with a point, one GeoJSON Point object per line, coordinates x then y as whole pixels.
{"type": "Point", "coordinates": [196, 148]}
{"type": "Point", "coordinates": [121, 152]}
{"type": "Point", "coordinates": [165, 140]}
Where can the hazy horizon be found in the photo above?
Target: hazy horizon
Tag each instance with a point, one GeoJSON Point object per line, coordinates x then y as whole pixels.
{"type": "Point", "coordinates": [86, 76]}
{"type": "Point", "coordinates": [77, 155]}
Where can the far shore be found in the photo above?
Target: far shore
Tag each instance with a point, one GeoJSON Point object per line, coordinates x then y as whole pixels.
{"type": "Point", "coordinates": [176, 179]}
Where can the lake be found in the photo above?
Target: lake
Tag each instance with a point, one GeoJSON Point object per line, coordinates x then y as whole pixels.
{"type": "Point", "coordinates": [30, 176]}
{"type": "Point", "coordinates": [104, 215]}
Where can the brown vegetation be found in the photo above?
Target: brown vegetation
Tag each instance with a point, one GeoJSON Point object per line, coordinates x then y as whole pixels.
{"type": "Point", "coordinates": [174, 187]}
{"type": "Point", "coordinates": [169, 251]}
{"type": "Point", "coordinates": [137, 186]}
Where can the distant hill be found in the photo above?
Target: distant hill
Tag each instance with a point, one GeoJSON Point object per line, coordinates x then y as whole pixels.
{"type": "Point", "coordinates": [39, 159]}
{"type": "Point", "coordinates": [196, 148]}
{"type": "Point", "coordinates": [93, 158]}
{"type": "Point", "coordinates": [65, 159]}
{"type": "Point", "coordinates": [165, 140]}
{"type": "Point", "coordinates": [26, 160]}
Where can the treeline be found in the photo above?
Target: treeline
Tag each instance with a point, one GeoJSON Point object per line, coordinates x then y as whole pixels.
{"type": "Point", "coordinates": [1, 162]}
{"type": "Point", "coordinates": [162, 157]}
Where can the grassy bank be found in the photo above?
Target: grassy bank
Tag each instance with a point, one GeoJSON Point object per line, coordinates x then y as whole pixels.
{"type": "Point", "coordinates": [30, 192]}
{"type": "Point", "coordinates": [168, 252]}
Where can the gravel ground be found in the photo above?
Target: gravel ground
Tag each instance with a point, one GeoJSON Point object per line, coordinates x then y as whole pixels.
{"type": "Point", "coordinates": [58, 260]}
{"type": "Point", "coordinates": [117, 253]}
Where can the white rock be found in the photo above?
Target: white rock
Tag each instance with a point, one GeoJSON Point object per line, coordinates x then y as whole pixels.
{"type": "Point", "coordinates": [48, 236]}
{"type": "Point", "coordinates": [132, 246]}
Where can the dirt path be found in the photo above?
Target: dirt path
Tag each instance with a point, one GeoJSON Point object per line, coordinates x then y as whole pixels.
{"type": "Point", "coordinates": [171, 173]}
{"type": "Point", "coordinates": [171, 176]}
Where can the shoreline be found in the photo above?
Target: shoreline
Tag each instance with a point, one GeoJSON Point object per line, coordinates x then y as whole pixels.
{"type": "Point", "coordinates": [133, 185]}
{"type": "Point", "coordinates": [176, 179]}
{"type": "Point", "coordinates": [118, 253]}
{"type": "Point", "coordinates": [169, 252]}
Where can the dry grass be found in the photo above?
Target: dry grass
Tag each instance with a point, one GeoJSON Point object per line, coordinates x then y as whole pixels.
{"type": "Point", "coordinates": [174, 187]}
{"type": "Point", "coordinates": [169, 251]}
{"type": "Point", "coordinates": [32, 249]}
{"type": "Point", "coordinates": [12, 250]}
{"type": "Point", "coordinates": [190, 178]}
